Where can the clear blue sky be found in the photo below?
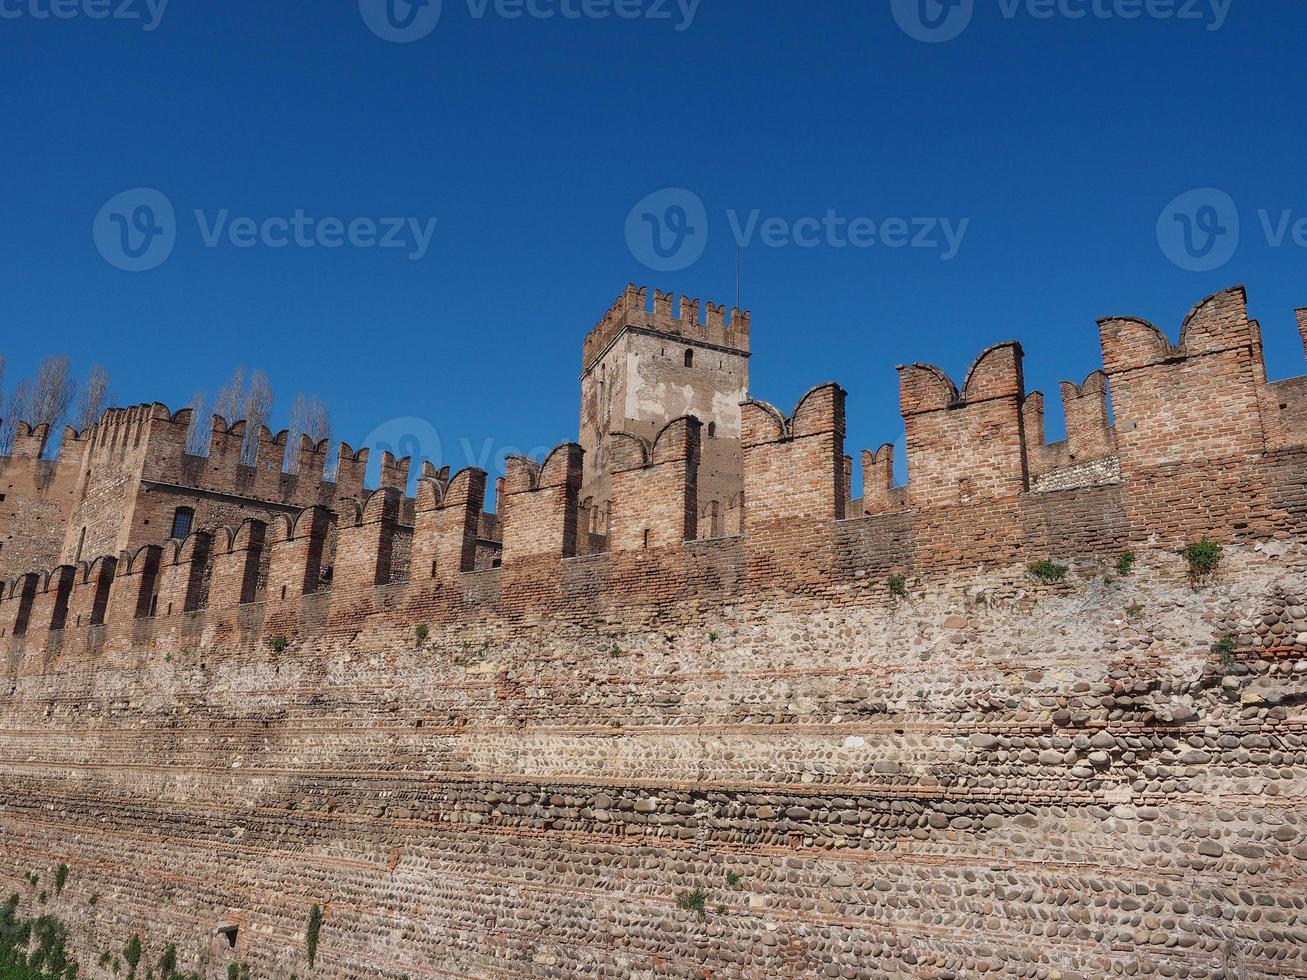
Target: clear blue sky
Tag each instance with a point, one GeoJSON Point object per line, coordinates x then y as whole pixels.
{"type": "Point", "coordinates": [530, 140]}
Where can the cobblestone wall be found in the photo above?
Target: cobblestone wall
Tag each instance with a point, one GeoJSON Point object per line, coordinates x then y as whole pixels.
{"type": "Point", "coordinates": [989, 775]}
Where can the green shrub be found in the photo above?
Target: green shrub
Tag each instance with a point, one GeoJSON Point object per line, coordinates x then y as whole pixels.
{"type": "Point", "coordinates": [60, 877]}
{"type": "Point", "coordinates": [733, 879]}
{"type": "Point", "coordinates": [312, 933]}
{"type": "Point", "coordinates": [422, 632]}
{"type": "Point", "coordinates": [278, 644]}
{"type": "Point", "coordinates": [1203, 558]}
{"type": "Point", "coordinates": [1226, 647]}
{"type": "Point", "coordinates": [50, 956]}
{"type": "Point", "coordinates": [1047, 571]}
{"type": "Point", "coordinates": [132, 954]}
{"type": "Point", "coordinates": [692, 901]}
{"type": "Point", "coordinates": [1125, 563]}
{"type": "Point", "coordinates": [898, 586]}
{"type": "Point", "coordinates": [712, 637]}
{"type": "Point", "coordinates": [1133, 610]}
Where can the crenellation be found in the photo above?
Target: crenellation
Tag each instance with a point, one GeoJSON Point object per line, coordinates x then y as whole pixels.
{"type": "Point", "coordinates": [879, 495]}
{"type": "Point", "coordinates": [967, 445]}
{"type": "Point", "coordinates": [976, 450]}
{"type": "Point", "coordinates": [394, 472]}
{"type": "Point", "coordinates": [864, 729]}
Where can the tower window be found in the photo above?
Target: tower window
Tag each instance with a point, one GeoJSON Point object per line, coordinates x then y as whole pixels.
{"type": "Point", "coordinates": [689, 358]}
{"type": "Point", "coordinates": [712, 430]}
{"type": "Point", "coordinates": [182, 519]}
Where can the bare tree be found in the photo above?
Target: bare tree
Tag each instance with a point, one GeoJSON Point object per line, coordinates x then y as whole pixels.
{"type": "Point", "coordinates": [93, 398]}
{"type": "Point", "coordinates": [258, 409]}
{"type": "Point", "coordinates": [52, 394]}
{"type": "Point", "coordinates": [251, 401]}
{"type": "Point", "coordinates": [201, 427]}
{"type": "Point", "coordinates": [308, 417]}
{"type": "Point", "coordinates": [231, 397]}
{"type": "Point", "coordinates": [7, 421]}
{"type": "Point", "coordinates": [13, 410]}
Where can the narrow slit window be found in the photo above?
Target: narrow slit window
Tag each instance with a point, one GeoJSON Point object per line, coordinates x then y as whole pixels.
{"type": "Point", "coordinates": [182, 519]}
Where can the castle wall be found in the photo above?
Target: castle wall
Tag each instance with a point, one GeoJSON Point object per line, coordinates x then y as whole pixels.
{"type": "Point", "coordinates": [36, 497]}
{"type": "Point", "coordinates": [851, 742]}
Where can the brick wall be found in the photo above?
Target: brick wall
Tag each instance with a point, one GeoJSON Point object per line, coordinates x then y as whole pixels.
{"type": "Point", "coordinates": [478, 771]}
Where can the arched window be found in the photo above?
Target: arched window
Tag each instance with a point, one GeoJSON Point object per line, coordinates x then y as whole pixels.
{"type": "Point", "coordinates": [689, 358]}
{"type": "Point", "coordinates": [182, 518]}
{"type": "Point", "coordinates": [712, 430]}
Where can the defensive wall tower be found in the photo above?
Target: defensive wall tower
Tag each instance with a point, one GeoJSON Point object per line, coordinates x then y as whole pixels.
{"type": "Point", "coordinates": [644, 366]}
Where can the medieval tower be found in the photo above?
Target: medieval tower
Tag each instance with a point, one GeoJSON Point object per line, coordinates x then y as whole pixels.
{"type": "Point", "coordinates": [642, 369]}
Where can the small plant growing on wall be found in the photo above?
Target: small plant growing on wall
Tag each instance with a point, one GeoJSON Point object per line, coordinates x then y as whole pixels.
{"type": "Point", "coordinates": [1125, 563]}
{"type": "Point", "coordinates": [1226, 647]}
{"type": "Point", "coordinates": [311, 934]}
{"type": "Point", "coordinates": [692, 901]}
{"type": "Point", "coordinates": [1048, 571]}
{"type": "Point", "coordinates": [1203, 557]}
{"type": "Point", "coordinates": [898, 586]}
{"type": "Point", "coordinates": [278, 644]}
{"type": "Point", "coordinates": [132, 954]}
{"type": "Point", "coordinates": [733, 879]}
{"type": "Point", "coordinates": [422, 632]}
{"type": "Point", "coordinates": [60, 877]}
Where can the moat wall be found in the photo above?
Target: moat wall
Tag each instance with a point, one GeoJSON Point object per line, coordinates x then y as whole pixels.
{"type": "Point", "coordinates": [990, 774]}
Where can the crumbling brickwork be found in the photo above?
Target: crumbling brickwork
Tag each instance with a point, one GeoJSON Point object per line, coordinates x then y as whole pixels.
{"type": "Point", "coordinates": [857, 739]}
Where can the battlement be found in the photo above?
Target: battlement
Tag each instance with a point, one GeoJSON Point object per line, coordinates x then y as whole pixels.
{"type": "Point", "coordinates": [1185, 456]}
{"type": "Point", "coordinates": [694, 320]}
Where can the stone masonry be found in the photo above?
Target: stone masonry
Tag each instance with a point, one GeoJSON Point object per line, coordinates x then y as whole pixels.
{"type": "Point", "coordinates": [847, 737]}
